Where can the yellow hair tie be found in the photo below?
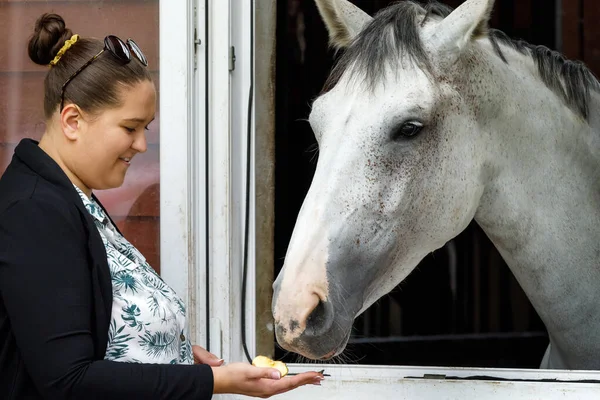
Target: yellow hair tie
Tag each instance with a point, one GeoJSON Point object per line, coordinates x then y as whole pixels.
{"type": "Point", "coordinates": [61, 52]}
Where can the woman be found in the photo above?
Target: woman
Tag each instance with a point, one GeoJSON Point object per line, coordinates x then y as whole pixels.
{"type": "Point", "coordinates": [82, 314]}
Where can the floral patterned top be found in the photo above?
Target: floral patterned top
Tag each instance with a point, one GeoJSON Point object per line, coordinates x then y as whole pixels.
{"type": "Point", "coordinates": [148, 320]}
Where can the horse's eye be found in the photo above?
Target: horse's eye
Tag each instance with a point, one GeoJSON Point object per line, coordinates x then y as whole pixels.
{"type": "Point", "coordinates": [407, 130]}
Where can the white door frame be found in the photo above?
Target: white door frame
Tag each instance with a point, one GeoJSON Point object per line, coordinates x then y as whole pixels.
{"type": "Point", "coordinates": [203, 166]}
{"type": "Point", "coordinates": [183, 192]}
{"type": "Point", "coordinates": [203, 121]}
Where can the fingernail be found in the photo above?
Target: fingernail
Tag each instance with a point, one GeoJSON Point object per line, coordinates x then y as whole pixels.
{"type": "Point", "coordinates": [220, 361]}
{"type": "Point", "coordinates": [275, 375]}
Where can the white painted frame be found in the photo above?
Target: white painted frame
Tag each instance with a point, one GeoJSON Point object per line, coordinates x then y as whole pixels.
{"type": "Point", "coordinates": [228, 93]}
{"type": "Point", "coordinates": [202, 179]}
{"type": "Point", "coordinates": [183, 160]}
{"type": "Point", "coordinates": [203, 120]}
{"type": "Point", "coordinates": [423, 383]}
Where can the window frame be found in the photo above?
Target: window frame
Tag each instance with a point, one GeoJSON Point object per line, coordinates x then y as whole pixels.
{"type": "Point", "coordinates": [182, 161]}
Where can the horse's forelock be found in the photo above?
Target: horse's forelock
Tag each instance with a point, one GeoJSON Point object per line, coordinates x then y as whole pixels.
{"type": "Point", "coordinates": [398, 25]}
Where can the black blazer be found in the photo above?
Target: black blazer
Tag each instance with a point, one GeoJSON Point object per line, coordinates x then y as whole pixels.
{"type": "Point", "coordinates": [56, 298]}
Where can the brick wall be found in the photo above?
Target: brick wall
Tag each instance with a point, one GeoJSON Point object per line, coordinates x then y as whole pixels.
{"type": "Point", "coordinates": [134, 206]}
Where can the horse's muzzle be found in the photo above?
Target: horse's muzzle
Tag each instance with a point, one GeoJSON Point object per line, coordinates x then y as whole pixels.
{"type": "Point", "coordinates": [315, 334]}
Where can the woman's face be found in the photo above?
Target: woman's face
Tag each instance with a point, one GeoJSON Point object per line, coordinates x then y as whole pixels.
{"type": "Point", "coordinates": [107, 143]}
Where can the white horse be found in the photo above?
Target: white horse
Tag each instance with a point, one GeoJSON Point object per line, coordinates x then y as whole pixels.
{"type": "Point", "coordinates": [428, 120]}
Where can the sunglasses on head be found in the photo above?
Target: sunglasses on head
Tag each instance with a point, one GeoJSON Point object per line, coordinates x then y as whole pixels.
{"type": "Point", "coordinates": [117, 48]}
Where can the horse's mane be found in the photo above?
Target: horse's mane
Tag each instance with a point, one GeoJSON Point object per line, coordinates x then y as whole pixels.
{"type": "Point", "coordinates": [393, 33]}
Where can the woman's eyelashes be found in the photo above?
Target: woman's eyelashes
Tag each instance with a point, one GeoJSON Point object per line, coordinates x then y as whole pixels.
{"type": "Point", "coordinates": [131, 130]}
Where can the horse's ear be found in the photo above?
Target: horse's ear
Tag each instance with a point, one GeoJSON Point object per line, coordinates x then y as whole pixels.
{"type": "Point", "coordinates": [467, 22]}
{"type": "Point", "coordinates": [343, 20]}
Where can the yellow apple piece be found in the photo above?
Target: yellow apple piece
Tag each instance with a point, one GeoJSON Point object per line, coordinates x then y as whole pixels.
{"type": "Point", "coordinates": [266, 362]}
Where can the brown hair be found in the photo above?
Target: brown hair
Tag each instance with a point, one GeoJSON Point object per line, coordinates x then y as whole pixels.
{"type": "Point", "coordinates": [97, 86]}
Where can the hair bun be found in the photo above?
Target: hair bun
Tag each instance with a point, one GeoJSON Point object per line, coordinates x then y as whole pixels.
{"type": "Point", "coordinates": [49, 36]}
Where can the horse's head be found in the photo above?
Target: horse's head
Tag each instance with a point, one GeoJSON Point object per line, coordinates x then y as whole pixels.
{"type": "Point", "coordinates": [398, 173]}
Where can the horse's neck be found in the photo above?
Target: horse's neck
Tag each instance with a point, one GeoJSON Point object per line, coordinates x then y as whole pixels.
{"type": "Point", "coordinates": [541, 204]}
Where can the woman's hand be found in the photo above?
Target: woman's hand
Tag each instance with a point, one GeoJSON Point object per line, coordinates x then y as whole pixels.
{"type": "Point", "coordinates": [202, 356]}
{"type": "Point", "coordinates": [246, 379]}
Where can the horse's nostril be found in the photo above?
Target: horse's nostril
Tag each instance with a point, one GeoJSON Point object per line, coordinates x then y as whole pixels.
{"type": "Point", "coordinates": [319, 320]}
